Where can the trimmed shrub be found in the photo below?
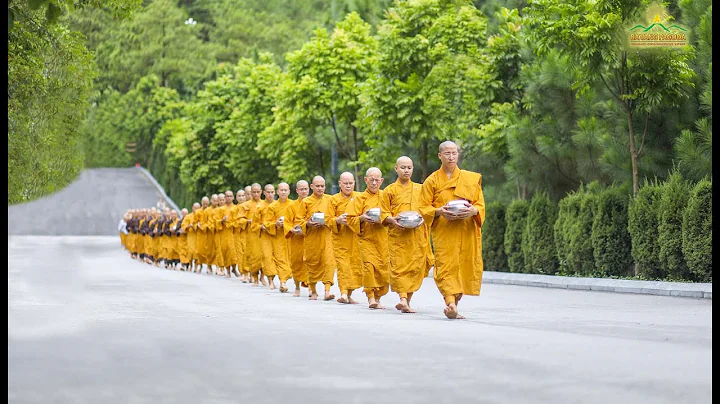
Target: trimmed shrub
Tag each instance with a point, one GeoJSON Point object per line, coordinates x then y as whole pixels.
{"type": "Point", "coordinates": [515, 218]}
{"type": "Point", "coordinates": [673, 201]}
{"type": "Point", "coordinates": [643, 228]}
{"type": "Point", "coordinates": [610, 238]}
{"type": "Point", "coordinates": [580, 258]}
{"type": "Point", "coordinates": [538, 241]}
{"type": "Point", "coordinates": [697, 232]}
{"type": "Point", "coordinates": [568, 211]}
{"type": "Point", "coordinates": [493, 233]}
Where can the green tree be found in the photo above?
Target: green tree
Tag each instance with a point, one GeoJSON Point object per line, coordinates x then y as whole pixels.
{"type": "Point", "coordinates": [433, 80]}
{"type": "Point", "coordinates": [516, 218]}
{"type": "Point", "coordinates": [568, 212]}
{"type": "Point", "coordinates": [493, 233]}
{"type": "Point", "coordinates": [580, 255]}
{"type": "Point", "coordinates": [538, 242]}
{"type": "Point", "coordinates": [643, 229]}
{"type": "Point", "coordinates": [640, 81]}
{"type": "Point", "coordinates": [610, 238]}
{"type": "Point", "coordinates": [697, 232]}
{"type": "Point", "coordinates": [673, 201]}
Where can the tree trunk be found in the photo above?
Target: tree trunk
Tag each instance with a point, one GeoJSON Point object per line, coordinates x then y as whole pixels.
{"type": "Point", "coordinates": [633, 152]}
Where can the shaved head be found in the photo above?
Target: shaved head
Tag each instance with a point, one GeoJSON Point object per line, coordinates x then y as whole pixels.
{"type": "Point", "coordinates": [402, 160]}
{"type": "Point", "coordinates": [318, 186]}
{"type": "Point", "coordinates": [373, 170]}
{"type": "Point", "coordinates": [346, 183]}
{"type": "Point", "coordinates": [347, 176]}
{"type": "Point", "coordinates": [302, 188]}
{"type": "Point", "coordinates": [448, 143]}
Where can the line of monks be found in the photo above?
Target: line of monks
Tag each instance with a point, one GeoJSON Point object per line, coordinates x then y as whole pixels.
{"type": "Point", "coordinates": [361, 235]}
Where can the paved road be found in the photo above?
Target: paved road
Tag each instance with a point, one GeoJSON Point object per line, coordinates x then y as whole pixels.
{"type": "Point", "coordinates": [87, 324]}
{"type": "Point", "coordinates": [92, 205]}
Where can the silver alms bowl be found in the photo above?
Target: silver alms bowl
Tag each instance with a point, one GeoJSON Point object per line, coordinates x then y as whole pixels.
{"type": "Point", "coordinates": [409, 219]}
{"type": "Point", "coordinates": [456, 205]}
{"type": "Point", "coordinates": [374, 214]}
{"type": "Point", "coordinates": [318, 217]}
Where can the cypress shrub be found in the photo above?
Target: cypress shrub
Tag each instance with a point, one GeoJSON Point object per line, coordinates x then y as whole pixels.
{"type": "Point", "coordinates": [697, 232]}
{"type": "Point", "coordinates": [580, 258]}
{"type": "Point", "coordinates": [515, 217]}
{"type": "Point", "coordinates": [568, 211]}
{"type": "Point", "coordinates": [538, 241]}
{"type": "Point", "coordinates": [673, 201]}
{"type": "Point", "coordinates": [610, 237]}
{"type": "Point", "coordinates": [493, 233]}
{"type": "Point", "coordinates": [643, 228]}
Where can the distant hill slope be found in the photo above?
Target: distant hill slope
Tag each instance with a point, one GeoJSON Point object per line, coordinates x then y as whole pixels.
{"type": "Point", "coordinates": [92, 205]}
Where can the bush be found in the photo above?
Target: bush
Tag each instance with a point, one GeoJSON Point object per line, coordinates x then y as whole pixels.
{"type": "Point", "coordinates": [643, 228]}
{"type": "Point", "coordinates": [610, 237]}
{"type": "Point", "coordinates": [673, 201]}
{"type": "Point", "coordinates": [568, 212]}
{"type": "Point", "coordinates": [697, 232]}
{"type": "Point", "coordinates": [580, 258]}
{"type": "Point", "coordinates": [515, 224]}
{"type": "Point", "coordinates": [538, 241]}
{"type": "Point", "coordinates": [493, 233]}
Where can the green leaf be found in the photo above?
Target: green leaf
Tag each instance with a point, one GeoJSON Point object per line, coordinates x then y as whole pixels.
{"type": "Point", "coordinates": [53, 12]}
{"type": "Point", "coordinates": [36, 4]}
{"type": "Point", "coordinates": [11, 19]}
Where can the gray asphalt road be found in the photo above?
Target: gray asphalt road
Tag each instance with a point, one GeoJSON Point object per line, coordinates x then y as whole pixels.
{"type": "Point", "coordinates": [92, 205]}
{"type": "Point", "coordinates": [87, 324]}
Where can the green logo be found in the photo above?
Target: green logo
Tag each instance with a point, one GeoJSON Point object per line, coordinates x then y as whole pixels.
{"type": "Point", "coordinates": [658, 32]}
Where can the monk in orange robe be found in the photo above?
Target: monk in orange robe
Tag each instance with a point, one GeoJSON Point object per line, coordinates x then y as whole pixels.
{"type": "Point", "coordinates": [266, 245]}
{"type": "Point", "coordinates": [239, 237]}
{"type": "Point", "coordinates": [201, 223]}
{"type": "Point", "coordinates": [253, 251]}
{"type": "Point", "coordinates": [189, 228]}
{"type": "Point", "coordinates": [372, 238]}
{"type": "Point", "coordinates": [345, 241]}
{"type": "Point", "coordinates": [224, 223]}
{"type": "Point", "coordinates": [319, 259]}
{"type": "Point", "coordinates": [409, 247]}
{"type": "Point", "coordinates": [455, 228]}
{"type": "Point", "coordinates": [296, 238]}
{"type": "Point", "coordinates": [273, 221]}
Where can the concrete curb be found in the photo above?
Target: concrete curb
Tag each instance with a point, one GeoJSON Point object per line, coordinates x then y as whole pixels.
{"type": "Point", "coordinates": [158, 187]}
{"type": "Point", "coordinates": [678, 289]}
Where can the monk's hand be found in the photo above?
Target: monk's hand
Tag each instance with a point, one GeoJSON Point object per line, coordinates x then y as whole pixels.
{"type": "Point", "coordinates": [365, 218]}
{"type": "Point", "coordinates": [296, 230]}
{"type": "Point", "coordinates": [279, 223]}
{"type": "Point", "coordinates": [469, 211]}
{"type": "Point", "coordinates": [342, 219]}
{"type": "Point", "coordinates": [313, 224]}
{"type": "Point", "coordinates": [394, 222]}
{"type": "Point", "coordinates": [444, 212]}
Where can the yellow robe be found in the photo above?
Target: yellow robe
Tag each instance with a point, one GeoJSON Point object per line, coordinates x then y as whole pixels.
{"type": "Point", "coordinates": [345, 246]}
{"type": "Point", "coordinates": [280, 244]}
{"type": "Point", "coordinates": [409, 252]}
{"type": "Point", "coordinates": [224, 236]}
{"type": "Point", "coordinates": [212, 242]}
{"type": "Point", "coordinates": [318, 255]}
{"type": "Point", "coordinates": [458, 243]}
{"type": "Point", "coordinates": [202, 235]}
{"type": "Point", "coordinates": [373, 241]}
{"type": "Point", "coordinates": [253, 251]}
{"type": "Point", "coordinates": [174, 244]}
{"type": "Point", "coordinates": [140, 239]}
{"type": "Point", "coordinates": [187, 239]}
{"type": "Point", "coordinates": [266, 243]}
{"type": "Point", "coordinates": [239, 236]}
{"type": "Point", "coordinates": [296, 243]}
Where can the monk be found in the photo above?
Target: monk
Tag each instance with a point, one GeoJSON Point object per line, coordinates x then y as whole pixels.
{"type": "Point", "coordinates": [409, 251]}
{"type": "Point", "coordinates": [297, 239]}
{"type": "Point", "coordinates": [372, 238]}
{"type": "Point", "coordinates": [273, 221]}
{"type": "Point", "coordinates": [253, 251]}
{"type": "Point", "coordinates": [345, 241]}
{"type": "Point", "coordinates": [319, 259]}
{"type": "Point", "coordinates": [266, 244]}
{"type": "Point", "coordinates": [231, 264]}
{"type": "Point", "coordinates": [201, 223]}
{"type": "Point", "coordinates": [239, 236]}
{"type": "Point", "coordinates": [212, 249]}
{"type": "Point", "coordinates": [224, 223]}
{"type": "Point", "coordinates": [456, 234]}
{"type": "Point", "coordinates": [189, 228]}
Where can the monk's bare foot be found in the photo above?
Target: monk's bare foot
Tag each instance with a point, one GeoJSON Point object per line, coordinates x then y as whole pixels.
{"type": "Point", "coordinates": [313, 296]}
{"type": "Point", "coordinates": [400, 306]}
{"type": "Point", "coordinates": [342, 300]}
{"type": "Point", "coordinates": [372, 303]}
{"type": "Point", "coordinates": [460, 317]}
{"type": "Point", "coordinates": [408, 310]}
{"type": "Point", "coordinates": [263, 281]}
{"type": "Point", "coordinates": [329, 296]}
{"type": "Point", "coordinates": [451, 311]}
{"type": "Point", "coordinates": [352, 301]}
{"type": "Point", "coordinates": [380, 306]}
{"type": "Point", "coordinates": [297, 292]}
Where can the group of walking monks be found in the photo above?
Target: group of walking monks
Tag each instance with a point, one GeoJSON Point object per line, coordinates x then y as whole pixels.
{"type": "Point", "coordinates": [312, 237]}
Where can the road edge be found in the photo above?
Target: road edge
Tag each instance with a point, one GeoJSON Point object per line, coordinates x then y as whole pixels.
{"type": "Point", "coordinates": [159, 187]}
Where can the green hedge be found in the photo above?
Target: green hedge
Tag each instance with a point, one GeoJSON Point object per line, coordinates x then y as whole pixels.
{"type": "Point", "coordinates": [568, 213]}
{"type": "Point", "coordinates": [643, 228]}
{"type": "Point", "coordinates": [580, 257]}
{"type": "Point", "coordinates": [610, 238]}
{"type": "Point", "coordinates": [697, 232]}
{"type": "Point", "coordinates": [673, 201]}
{"type": "Point", "coordinates": [538, 241]}
{"type": "Point", "coordinates": [515, 224]}
{"type": "Point", "coordinates": [493, 234]}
